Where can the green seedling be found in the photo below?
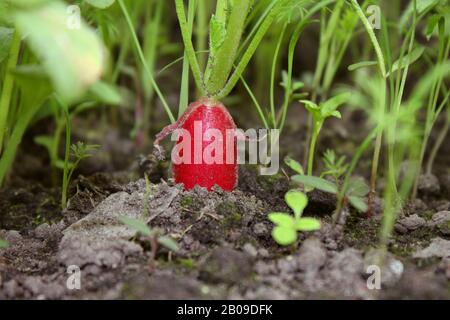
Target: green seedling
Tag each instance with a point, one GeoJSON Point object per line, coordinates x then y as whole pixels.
{"type": "Point", "coordinates": [319, 114]}
{"type": "Point", "coordinates": [154, 236]}
{"type": "Point", "coordinates": [355, 191]}
{"type": "Point", "coordinates": [80, 151]}
{"type": "Point", "coordinates": [334, 167]}
{"type": "Point", "coordinates": [286, 225]}
{"type": "Point", "coordinates": [3, 244]}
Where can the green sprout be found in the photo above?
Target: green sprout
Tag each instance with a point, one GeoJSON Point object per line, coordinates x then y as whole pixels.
{"type": "Point", "coordinates": [334, 167]}
{"type": "Point", "coordinates": [319, 114]}
{"type": "Point", "coordinates": [286, 225]}
{"type": "Point", "coordinates": [353, 192]}
{"type": "Point", "coordinates": [154, 235]}
{"type": "Point", "coordinates": [80, 151]}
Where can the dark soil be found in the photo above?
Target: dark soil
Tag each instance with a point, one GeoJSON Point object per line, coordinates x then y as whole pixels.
{"type": "Point", "coordinates": [226, 248]}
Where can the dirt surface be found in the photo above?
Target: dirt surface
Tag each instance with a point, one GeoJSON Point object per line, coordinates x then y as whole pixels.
{"type": "Point", "coordinates": [226, 248]}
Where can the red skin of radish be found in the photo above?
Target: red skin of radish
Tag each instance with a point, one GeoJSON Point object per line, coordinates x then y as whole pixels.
{"type": "Point", "coordinates": [212, 115]}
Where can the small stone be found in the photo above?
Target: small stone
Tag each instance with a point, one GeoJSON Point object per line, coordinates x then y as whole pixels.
{"type": "Point", "coordinates": [42, 231]}
{"type": "Point", "coordinates": [409, 223]}
{"type": "Point", "coordinates": [260, 229]}
{"type": "Point", "coordinates": [250, 249]}
{"type": "Point", "coordinates": [13, 237]}
{"type": "Point", "coordinates": [441, 221]}
{"type": "Point", "coordinates": [287, 265]}
{"type": "Point", "coordinates": [263, 253]}
{"type": "Point", "coordinates": [428, 184]}
{"type": "Point", "coordinates": [312, 255]}
{"type": "Point", "coordinates": [438, 248]}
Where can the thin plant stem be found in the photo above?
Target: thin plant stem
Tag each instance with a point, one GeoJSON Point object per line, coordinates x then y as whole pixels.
{"type": "Point", "coordinates": [144, 62]}
{"type": "Point", "coordinates": [272, 75]}
{"type": "Point", "coordinates": [187, 40]}
{"type": "Point", "coordinates": [65, 183]}
{"type": "Point", "coordinates": [184, 91]}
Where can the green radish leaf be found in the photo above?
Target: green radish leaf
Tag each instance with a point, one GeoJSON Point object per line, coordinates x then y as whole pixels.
{"type": "Point", "coordinates": [6, 35]}
{"type": "Point", "coordinates": [329, 107]}
{"type": "Point", "coordinates": [294, 165]}
{"type": "Point", "coordinates": [284, 236]}
{"type": "Point", "coordinates": [4, 244]}
{"type": "Point", "coordinates": [106, 93]}
{"type": "Point", "coordinates": [169, 243]}
{"type": "Point", "coordinates": [100, 4]}
{"type": "Point", "coordinates": [362, 64]}
{"type": "Point", "coordinates": [358, 203]}
{"type": "Point", "coordinates": [74, 61]}
{"type": "Point", "coordinates": [307, 224]}
{"type": "Point", "coordinates": [137, 225]}
{"type": "Point", "coordinates": [217, 34]}
{"type": "Point", "coordinates": [316, 183]}
{"type": "Point", "coordinates": [297, 201]}
{"type": "Point", "coordinates": [281, 219]}
{"type": "Point", "coordinates": [407, 60]}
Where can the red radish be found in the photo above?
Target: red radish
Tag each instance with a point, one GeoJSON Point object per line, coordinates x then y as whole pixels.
{"type": "Point", "coordinates": [202, 116]}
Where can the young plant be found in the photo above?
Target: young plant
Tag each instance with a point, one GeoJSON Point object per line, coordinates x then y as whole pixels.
{"type": "Point", "coordinates": [335, 168]}
{"type": "Point", "coordinates": [286, 225]}
{"type": "Point", "coordinates": [80, 151]}
{"type": "Point", "coordinates": [154, 236]}
{"type": "Point", "coordinates": [319, 114]}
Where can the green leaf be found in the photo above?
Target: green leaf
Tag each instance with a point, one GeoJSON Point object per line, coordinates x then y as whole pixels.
{"type": "Point", "coordinates": [431, 25]}
{"type": "Point", "coordinates": [307, 224]}
{"type": "Point", "coordinates": [75, 58]}
{"type": "Point", "coordinates": [329, 107]}
{"type": "Point", "coordinates": [169, 243]}
{"type": "Point", "coordinates": [358, 187]}
{"type": "Point", "coordinates": [294, 165]}
{"type": "Point", "coordinates": [310, 106]}
{"type": "Point", "coordinates": [316, 183]}
{"type": "Point", "coordinates": [4, 244]}
{"type": "Point", "coordinates": [284, 236]}
{"type": "Point", "coordinates": [282, 219]}
{"type": "Point", "coordinates": [6, 35]}
{"type": "Point", "coordinates": [100, 4]}
{"type": "Point", "coordinates": [407, 60]}
{"type": "Point", "coordinates": [362, 64]}
{"type": "Point", "coordinates": [217, 34]}
{"type": "Point", "coordinates": [358, 203]}
{"type": "Point", "coordinates": [336, 114]}
{"type": "Point", "coordinates": [296, 200]}
{"type": "Point", "coordinates": [106, 93]}
{"type": "Point", "coordinates": [136, 224]}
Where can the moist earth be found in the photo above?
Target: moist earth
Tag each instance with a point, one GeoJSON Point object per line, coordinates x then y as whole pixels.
{"type": "Point", "coordinates": [226, 250]}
